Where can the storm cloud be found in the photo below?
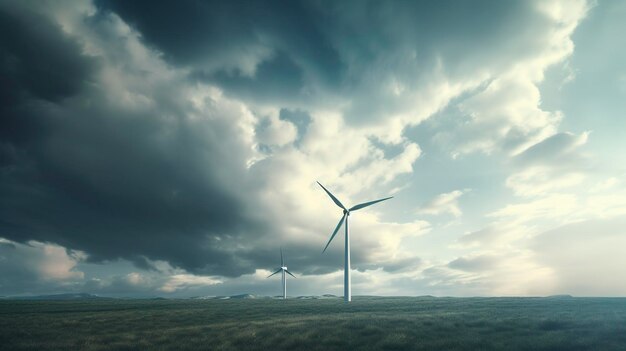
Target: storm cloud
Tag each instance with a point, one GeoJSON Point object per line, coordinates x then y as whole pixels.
{"type": "Point", "coordinates": [117, 174]}
{"type": "Point", "coordinates": [179, 145]}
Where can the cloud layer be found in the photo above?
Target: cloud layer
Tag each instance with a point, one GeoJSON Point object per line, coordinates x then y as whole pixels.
{"type": "Point", "coordinates": [181, 144]}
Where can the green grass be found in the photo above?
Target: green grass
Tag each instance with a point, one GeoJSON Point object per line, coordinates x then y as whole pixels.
{"type": "Point", "coordinates": [368, 323]}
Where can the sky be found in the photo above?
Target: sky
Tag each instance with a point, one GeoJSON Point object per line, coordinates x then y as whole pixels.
{"type": "Point", "coordinates": [171, 149]}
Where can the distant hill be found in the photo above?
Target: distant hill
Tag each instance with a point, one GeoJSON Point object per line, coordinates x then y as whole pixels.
{"type": "Point", "coordinates": [240, 296]}
{"type": "Point", "coordinates": [87, 296]}
{"type": "Point", "coordinates": [71, 296]}
{"type": "Point", "coordinates": [244, 296]}
{"type": "Point", "coordinates": [564, 296]}
{"type": "Point", "coordinates": [252, 296]}
{"type": "Point", "coordinates": [316, 297]}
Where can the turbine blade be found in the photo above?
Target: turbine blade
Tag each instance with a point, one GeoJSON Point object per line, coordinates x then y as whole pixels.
{"type": "Point", "coordinates": [365, 204]}
{"type": "Point", "coordinates": [286, 271]}
{"type": "Point", "coordinates": [278, 270]}
{"type": "Point", "coordinates": [337, 202]}
{"type": "Point", "coordinates": [335, 232]}
{"type": "Point", "coordinates": [282, 262]}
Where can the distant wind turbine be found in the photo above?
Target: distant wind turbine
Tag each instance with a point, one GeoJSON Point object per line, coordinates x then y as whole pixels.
{"type": "Point", "coordinates": [283, 269]}
{"type": "Point", "coordinates": [347, 289]}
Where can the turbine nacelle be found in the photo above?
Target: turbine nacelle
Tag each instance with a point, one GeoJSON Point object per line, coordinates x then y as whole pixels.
{"type": "Point", "coordinates": [346, 211]}
{"type": "Point", "coordinates": [283, 269]}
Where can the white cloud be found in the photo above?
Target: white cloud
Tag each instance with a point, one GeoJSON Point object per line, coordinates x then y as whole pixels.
{"type": "Point", "coordinates": [553, 164]}
{"type": "Point", "coordinates": [506, 115]}
{"type": "Point", "coordinates": [605, 205]}
{"type": "Point", "coordinates": [135, 278]}
{"type": "Point", "coordinates": [555, 206]}
{"type": "Point", "coordinates": [560, 151]}
{"type": "Point", "coordinates": [446, 203]}
{"type": "Point", "coordinates": [35, 265]}
{"type": "Point", "coordinates": [604, 185]}
{"type": "Point", "coordinates": [535, 181]}
{"type": "Point", "coordinates": [378, 170]}
{"type": "Point", "coordinates": [185, 281]}
{"type": "Point", "coordinates": [502, 236]}
{"type": "Point", "coordinates": [562, 208]}
{"type": "Point", "coordinates": [273, 131]}
{"type": "Point", "coordinates": [53, 262]}
{"type": "Point", "coordinates": [515, 273]}
{"type": "Point", "coordinates": [586, 257]}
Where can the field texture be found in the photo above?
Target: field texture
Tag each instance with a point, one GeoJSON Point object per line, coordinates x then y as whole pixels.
{"type": "Point", "coordinates": [368, 323]}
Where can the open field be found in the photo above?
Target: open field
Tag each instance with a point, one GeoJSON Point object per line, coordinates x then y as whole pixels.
{"type": "Point", "coordinates": [369, 323]}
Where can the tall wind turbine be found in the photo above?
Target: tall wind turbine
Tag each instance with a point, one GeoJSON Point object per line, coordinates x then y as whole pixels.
{"type": "Point", "coordinates": [284, 270]}
{"type": "Point", "coordinates": [347, 289]}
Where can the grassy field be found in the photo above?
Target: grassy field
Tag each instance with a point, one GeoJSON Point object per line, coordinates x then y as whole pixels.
{"type": "Point", "coordinates": [368, 323]}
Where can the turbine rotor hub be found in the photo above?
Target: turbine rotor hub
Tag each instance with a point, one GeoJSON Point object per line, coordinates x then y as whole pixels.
{"type": "Point", "coordinates": [346, 212]}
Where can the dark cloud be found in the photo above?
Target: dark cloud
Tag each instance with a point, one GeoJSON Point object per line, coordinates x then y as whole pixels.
{"type": "Point", "coordinates": [403, 265]}
{"type": "Point", "coordinates": [118, 186]}
{"type": "Point", "coordinates": [113, 182]}
{"type": "Point", "coordinates": [304, 53]}
{"type": "Point", "coordinates": [277, 79]}
{"type": "Point", "coordinates": [130, 170]}
{"type": "Point", "coordinates": [410, 45]}
{"type": "Point", "coordinates": [110, 199]}
{"type": "Point", "coordinates": [225, 41]}
{"type": "Point", "coordinates": [37, 61]}
{"type": "Point", "coordinates": [299, 118]}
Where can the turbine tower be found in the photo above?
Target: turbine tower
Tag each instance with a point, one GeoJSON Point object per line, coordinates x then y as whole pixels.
{"type": "Point", "coordinates": [347, 289]}
{"type": "Point", "coordinates": [284, 270]}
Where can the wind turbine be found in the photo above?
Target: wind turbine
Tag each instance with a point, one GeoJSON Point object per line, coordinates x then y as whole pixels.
{"type": "Point", "coordinates": [283, 269]}
{"type": "Point", "coordinates": [347, 289]}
